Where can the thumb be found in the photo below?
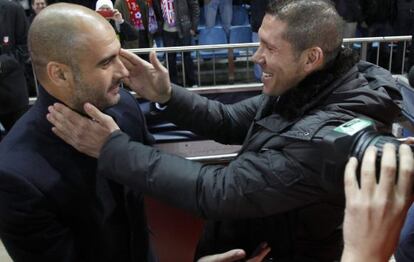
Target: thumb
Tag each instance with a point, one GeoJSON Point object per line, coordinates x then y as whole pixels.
{"type": "Point", "coordinates": [94, 112]}
{"type": "Point", "coordinates": [155, 62]}
{"type": "Point", "coordinates": [229, 256]}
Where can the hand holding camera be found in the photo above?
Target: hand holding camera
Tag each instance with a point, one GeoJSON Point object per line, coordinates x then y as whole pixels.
{"type": "Point", "coordinates": [113, 14]}
{"type": "Point", "coordinates": [106, 9]}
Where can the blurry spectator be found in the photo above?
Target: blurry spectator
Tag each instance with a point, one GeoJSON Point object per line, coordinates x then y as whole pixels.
{"type": "Point", "coordinates": [180, 21]}
{"type": "Point", "coordinates": [37, 6]}
{"type": "Point", "coordinates": [25, 4]}
{"type": "Point", "coordinates": [404, 25]}
{"type": "Point", "coordinates": [144, 15]}
{"type": "Point", "coordinates": [377, 19]}
{"type": "Point", "coordinates": [13, 55]}
{"type": "Point", "coordinates": [124, 30]}
{"type": "Point", "coordinates": [258, 8]}
{"type": "Point", "coordinates": [351, 13]}
{"type": "Point", "coordinates": [225, 8]}
{"type": "Point", "coordinates": [378, 16]}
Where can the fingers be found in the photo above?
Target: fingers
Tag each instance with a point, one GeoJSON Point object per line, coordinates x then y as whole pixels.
{"type": "Point", "coordinates": [155, 62]}
{"type": "Point", "coordinates": [62, 117]}
{"type": "Point", "coordinates": [261, 255]}
{"type": "Point", "coordinates": [102, 119]}
{"type": "Point", "coordinates": [388, 170]}
{"type": "Point", "coordinates": [94, 112]}
{"type": "Point", "coordinates": [406, 171]}
{"type": "Point", "coordinates": [368, 179]}
{"type": "Point", "coordinates": [65, 122]}
{"type": "Point", "coordinates": [350, 180]}
{"type": "Point", "coordinates": [229, 256]}
{"type": "Point", "coordinates": [131, 60]}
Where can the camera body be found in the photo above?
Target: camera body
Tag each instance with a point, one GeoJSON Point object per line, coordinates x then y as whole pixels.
{"type": "Point", "coordinates": [107, 13]}
{"type": "Point", "coordinates": [352, 139]}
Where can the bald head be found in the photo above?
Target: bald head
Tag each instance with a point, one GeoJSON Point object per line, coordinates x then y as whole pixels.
{"type": "Point", "coordinates": [59, 33]}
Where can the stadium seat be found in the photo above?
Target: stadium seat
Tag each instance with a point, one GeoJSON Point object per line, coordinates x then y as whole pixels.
{"type": "Point", "coordinates": [241, 34]}
{"type": "Point", "coordinates": [240, 16]}
{"type": "Point", "coordinates": [212, 36]}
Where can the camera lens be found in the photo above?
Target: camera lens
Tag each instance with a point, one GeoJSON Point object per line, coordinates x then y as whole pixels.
{"type": "Point", "coordinates": [372, 138]}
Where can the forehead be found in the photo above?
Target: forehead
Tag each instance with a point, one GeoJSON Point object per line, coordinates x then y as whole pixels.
{"type": "Point", "coordinates": [272, 29]}
{"type": "Point", "coordinates": [39, 2]}
{"type": "Point", "coordinates": [99, 42]}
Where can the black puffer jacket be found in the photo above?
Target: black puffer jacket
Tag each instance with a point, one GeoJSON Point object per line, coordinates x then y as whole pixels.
{"type": "Point", "coordinates": [275, 190]}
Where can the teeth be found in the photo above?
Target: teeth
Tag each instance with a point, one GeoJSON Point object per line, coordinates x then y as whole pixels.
{"type": "Point", "coordinates": [267, 74]}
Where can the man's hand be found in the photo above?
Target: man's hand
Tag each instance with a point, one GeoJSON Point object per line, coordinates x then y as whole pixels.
{"type": "Point", "coordinates": [236, 255]}
{"type": "Point", "coordinates": [117, 17]}
{"type": "Point", "coordinates": [149, 80]}
{"type": "Point", "coordinates": [86, 135]}
{"type": "Point", "coordinates": [375, 213]}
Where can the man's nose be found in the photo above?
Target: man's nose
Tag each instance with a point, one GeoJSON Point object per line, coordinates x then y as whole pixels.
{"type": "Point", "coordinates": [257, 57]}
{"type": "Point", "coordinates": [123, 72]}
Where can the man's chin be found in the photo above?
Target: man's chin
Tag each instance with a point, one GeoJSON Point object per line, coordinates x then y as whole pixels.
{"type": "Point", "coordinates": [269, 90]}
{"type": "Point", "coordinates": [111, 101]}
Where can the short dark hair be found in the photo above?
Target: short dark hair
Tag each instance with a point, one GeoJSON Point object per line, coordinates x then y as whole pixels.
{"type": "Point", "coordinates": [310, 23]}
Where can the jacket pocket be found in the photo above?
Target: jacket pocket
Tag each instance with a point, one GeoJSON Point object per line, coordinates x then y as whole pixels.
{"type": "Point", "coordinates": [284, 170]}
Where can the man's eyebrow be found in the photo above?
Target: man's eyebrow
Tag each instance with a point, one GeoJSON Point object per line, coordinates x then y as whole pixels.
{"type": "Point", "coordinates": [105, 60]}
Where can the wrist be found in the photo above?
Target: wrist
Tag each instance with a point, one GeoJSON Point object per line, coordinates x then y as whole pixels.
{"type": "Point", "coordinates": [164, 100]}
{"type": "Point", "coordinates": [351, 255]}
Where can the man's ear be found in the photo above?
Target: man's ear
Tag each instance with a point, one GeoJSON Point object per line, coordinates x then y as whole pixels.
{"type": "Point", "coordinates": [313, 59]}
{"type": "Point", "coordinates": [58, 73]}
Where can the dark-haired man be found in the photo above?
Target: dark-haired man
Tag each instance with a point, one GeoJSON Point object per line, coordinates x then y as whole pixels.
{"type": "Point", "coordinates": [277, 189]}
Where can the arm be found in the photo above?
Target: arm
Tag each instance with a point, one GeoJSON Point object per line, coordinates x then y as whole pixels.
{"type": "Point", "coordinates": [375, 213]}
{"type": "Point", "coordinates": [128, 32]}
{"type": "Point", "coordinates": [209, 118]}
{"type": "Point", "coordinates": [28, 227]}
{"type": "Point", "coordinates": [227, 124]}
{"type": "Point", "coordinates": [255, 184]}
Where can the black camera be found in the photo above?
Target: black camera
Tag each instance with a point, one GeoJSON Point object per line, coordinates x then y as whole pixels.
{"type": "Point", "coordinates": [352, 139]}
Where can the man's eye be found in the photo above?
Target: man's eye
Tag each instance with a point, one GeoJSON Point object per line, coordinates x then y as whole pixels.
{"type": "Point", "coordinates": [106, 63]}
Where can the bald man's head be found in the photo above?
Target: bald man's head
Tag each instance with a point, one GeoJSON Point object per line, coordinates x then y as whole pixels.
{"type": "Point", "coordinates": [58, 34]}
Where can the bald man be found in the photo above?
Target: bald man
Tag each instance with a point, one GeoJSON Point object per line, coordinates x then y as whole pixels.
{"type": "Point", "coordinates": [53, 204]}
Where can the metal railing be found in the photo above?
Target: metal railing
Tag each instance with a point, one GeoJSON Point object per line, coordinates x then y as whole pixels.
{"type": "Point", "coordinates": [375, 42]}
{"type": "Point", "coordinates": [366, 46]}
{"type": "Point", "coordinates": [197, 54]}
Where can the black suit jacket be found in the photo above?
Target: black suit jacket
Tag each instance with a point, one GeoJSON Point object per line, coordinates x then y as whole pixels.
{"type": "Point", "coordinates": [53, 204]}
